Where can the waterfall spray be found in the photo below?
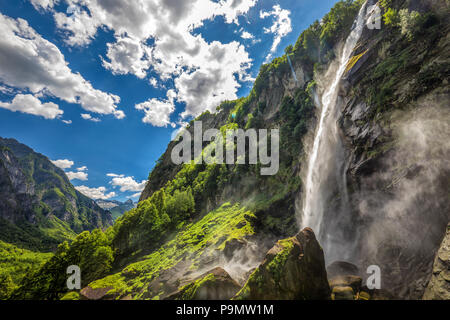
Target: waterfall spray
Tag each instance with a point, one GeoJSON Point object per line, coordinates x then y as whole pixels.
{"type": "Point", "coordinates": [327, 157]}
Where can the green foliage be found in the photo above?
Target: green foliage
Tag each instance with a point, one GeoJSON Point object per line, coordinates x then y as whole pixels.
{"type": "Point", "coordinates": [15, 264]}
{"type": "Point", "coordinates": [91, 251]}
{"type": "Point", "coordinates": [275, 266]}
{"type": "Point", "coordinates": [195, 240]}
{"type": "Point", "coordinates": [6, 286]}
{"type": "Point", "coordinates": [146, 226]}
{"type": "Point", "coordinates": [295, 114]}
{"type": "Point", "coordinates": [338, 20]}
{"type": "Point", "coordinates": [409, 23]}
{"type": "Point", "coordinates": [391, 17]}
{"type": "Point", "coordinates": [190, 291]}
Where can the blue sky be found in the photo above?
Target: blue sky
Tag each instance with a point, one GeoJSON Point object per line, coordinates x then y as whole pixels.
{"type": "Point", "coordinates": [104, 85]}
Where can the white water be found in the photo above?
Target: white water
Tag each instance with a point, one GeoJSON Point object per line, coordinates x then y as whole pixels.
{"type": "Point", "coordinates": [327, 155]}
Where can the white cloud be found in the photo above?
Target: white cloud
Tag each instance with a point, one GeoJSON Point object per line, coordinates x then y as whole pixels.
{"type": "Point", "coordinates": [96, 193]}
{"type": "Point", "coordinates": [28, 61]}
{"type": "Point", "coordinates": [246, 35]}
{"type": "Point", "coordinates": [27, 103]}
{"type": "Point", "coordinates": [158, 112]}
{"type": "Point", "coordinates": [43, 4]}
{"type": "Point", "coordinates": [63, 163]}
{"type": "Point", "coordinates": [6, 90]}
{"type": "Point", "coordinates": [153, 82]}
{"type": "Point", "coordinates": [136, 195]}
{"type": "Point", "coordinates": [114, 175]}
{"type": "Point", "coordinates": [127, 183]}
{"type": "Point", "coordinates": [87, 116]}
{"type": "Point", "coordinates": [67, 121]}
{"type": "Point", "coordinates": [174, 52]}
{"type": "Point", "coordinates": [280, 27]}
{"type": "Point", "coordinates": [79, 175]}
{"type": "Point", "coordinates": [128, 55]}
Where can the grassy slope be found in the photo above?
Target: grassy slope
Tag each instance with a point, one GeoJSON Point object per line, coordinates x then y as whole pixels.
{"type": "Point", "coordinates": [208, 234]}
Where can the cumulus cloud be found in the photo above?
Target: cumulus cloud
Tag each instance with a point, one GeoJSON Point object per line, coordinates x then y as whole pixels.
{"type": "Point", "coordinates": [157, 112]}
{"type": "Point", "coordinates": [27, 103]}
{"type": "Point", "coordinates": [280, 27]}
{"type": "Point", "coordinates": [174, 52]}
{"type": "Point", "coordinates": [87, 116]}
{"type": "Point", "coordinates": [30, 62]}
{"type": "Point", "coordinates": [127, 183]}
{"type": "Point", "coordinates": [43, 4]}
{"type": "Point", "coordinates": [246, 35]}
{"type": "Point", "coordinates": [63, 163]}
{"type": "Point", "coordinates": [96, 193]}
{"type": "Point", "coordinates": [128, 55]}
{"type": "Point", "coordinates": [79, 175]}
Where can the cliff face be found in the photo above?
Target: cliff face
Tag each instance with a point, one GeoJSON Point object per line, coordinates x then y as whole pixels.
{"type": "Point", "coordinates": [39, 207]}
{"type": "Point", "coordinates": [395, 125]}
{"type": "Point", "coordinates": [439, 286]}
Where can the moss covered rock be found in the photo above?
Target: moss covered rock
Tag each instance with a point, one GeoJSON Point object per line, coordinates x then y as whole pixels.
{"type": "Point", "coordinates": [342, 293]}
{"type": "Point", "coordinates": [293, 269]}
{"type": "Point", "coordinates": [215, 284]}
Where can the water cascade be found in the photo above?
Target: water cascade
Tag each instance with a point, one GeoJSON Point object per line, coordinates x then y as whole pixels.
{"type": "Point", "coordinates": [327, 165]}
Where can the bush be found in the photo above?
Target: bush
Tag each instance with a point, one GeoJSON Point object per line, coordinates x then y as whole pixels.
{"type": "Point", "coordinates": [390, 17]}
{"type": "Point", "coordinates": [409, 23]}
{"type": "Point", "coordinates": [91, 251]}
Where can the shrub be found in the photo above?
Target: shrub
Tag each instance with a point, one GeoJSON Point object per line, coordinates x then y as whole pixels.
{"type": "Point", "coordinates": [409, 22]}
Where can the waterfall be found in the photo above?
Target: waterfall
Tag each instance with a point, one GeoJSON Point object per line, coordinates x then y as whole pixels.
{"type": "Point", "coordinates": [327, 165]}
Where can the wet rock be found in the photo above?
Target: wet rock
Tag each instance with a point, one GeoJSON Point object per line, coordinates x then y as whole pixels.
{"type": "Point", "coordinates": [294, 269]}
{"type": "Point", "coordinates": [341, 268]}
{"type": "Point", "coordinates": [346, 281]}
{"type": "Point", "coordinates": [95, 294]}
{"type": "Point", "coordinates": [233, 245]}
{"type": "Point", "coordinates": [439, 286]}
{"type": "Point", "coordinates": [342, 293]}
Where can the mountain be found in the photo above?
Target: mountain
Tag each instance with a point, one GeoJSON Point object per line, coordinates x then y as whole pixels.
{"type": "Point", "coordinates": [39, 207]}
{"type": "Point", "coordinates": [361, 189]}
{"type": "Point", "coordinates": [116, 208]}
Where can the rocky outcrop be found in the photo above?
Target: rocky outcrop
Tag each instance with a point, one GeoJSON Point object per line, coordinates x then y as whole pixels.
{"type": "Point", "coordinates": [215, 284]}
{"type": "Point", "coordinates": [439, 286]}
{"type": "Point", "coordinates": [294, 269]}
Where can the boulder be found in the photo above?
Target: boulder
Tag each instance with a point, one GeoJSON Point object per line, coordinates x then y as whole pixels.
{"type": "Point", "coordinates": [294, 269]}
{"type": "Point", "coordinates": [439, 286]}
{"type": "Point", "coordinates": [341, 268]}
{"type": "Point", "coordinates": [96, 294]}
{"type": "Point", "coordinates": [342, 293]}
{"type": "Point", "coordinates": [215, 284]}
{"type": "Point", "coordinates": [346, 281]}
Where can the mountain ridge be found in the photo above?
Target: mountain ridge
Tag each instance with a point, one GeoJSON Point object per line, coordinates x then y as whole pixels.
{"type": "Point", "coordinates": [38, 201]}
